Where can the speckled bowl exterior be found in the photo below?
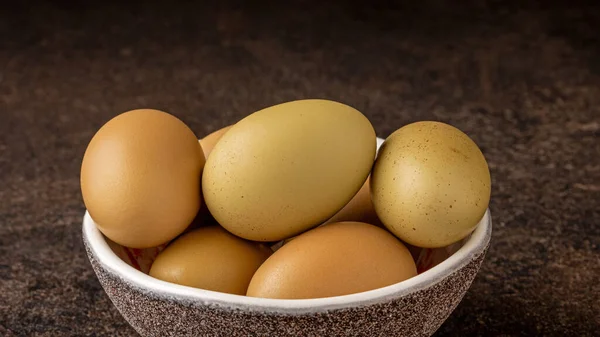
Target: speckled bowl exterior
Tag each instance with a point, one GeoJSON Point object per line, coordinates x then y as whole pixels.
{"type": "Point", "coordinates": [415, 307]}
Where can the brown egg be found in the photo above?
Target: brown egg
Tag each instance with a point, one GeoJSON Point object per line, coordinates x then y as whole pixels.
{"type": "Point", "coordinates": [337, 259]}
{"type": "Point", "coordinates": [210, 258]}
{"type": "Point", "coordinates": [360, 208]}
{"type": "Point", "coordinates": [140, 178]}
{"type": "Point", "coordinates": [209, 142]}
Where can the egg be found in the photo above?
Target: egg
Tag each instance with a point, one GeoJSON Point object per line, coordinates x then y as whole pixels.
{"type": "Point", "coordinates": [360, 208]}
{"type": "Point", "coordinates": [285, 169]}
{"type": "Point", "coordinates": [430, 184]}
{"type": "Point", "coordinates": [336, 259]}
{"type": "Point", "coordinates": [140, 178]}
{"type": "Point", "coordinates": [210, 258]}
{"type": "Point", "coordinates": [209, 142]}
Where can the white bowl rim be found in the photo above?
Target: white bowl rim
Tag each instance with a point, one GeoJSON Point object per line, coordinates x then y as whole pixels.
{"type": "Point", "coordinates": [471, 249]}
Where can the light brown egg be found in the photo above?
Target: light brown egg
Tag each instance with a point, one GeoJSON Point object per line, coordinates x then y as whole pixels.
{"type": "Point", "coordinates": [336, 259]}
{"type": "Point", "coordinates": [430, 184]}
{"type": "Point", "coordinates": [288, 168]}
{"type": "Point", "coordinates": [140, 178]}
{"type": "Point", "coordinates": [210, 258]}
{"type": "Point", "coordinates": [360, 208]}
{"type": "Point", "coordinates": [209, 142]}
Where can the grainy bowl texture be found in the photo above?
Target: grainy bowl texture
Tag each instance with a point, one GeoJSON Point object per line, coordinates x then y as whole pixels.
{"type": "Point", "coordinates": [416, 307]}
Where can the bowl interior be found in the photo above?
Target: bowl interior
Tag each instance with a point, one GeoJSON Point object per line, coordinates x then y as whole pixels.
{"type": "Point", "coordinates": [142, 259]}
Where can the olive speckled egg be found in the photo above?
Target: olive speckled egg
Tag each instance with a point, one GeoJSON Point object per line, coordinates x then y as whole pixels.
{"type": "Point", "coordinates": [140, 178]}
{"type": "Point", "coordinates": [287, 168]}
{"type": "Point", "coordinates": [430, 184]}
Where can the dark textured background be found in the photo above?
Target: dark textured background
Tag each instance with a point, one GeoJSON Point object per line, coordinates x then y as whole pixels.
{"type": "Point", "coordinates": [522, 80]}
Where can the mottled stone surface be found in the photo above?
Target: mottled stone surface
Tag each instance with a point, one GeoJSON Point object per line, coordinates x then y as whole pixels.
{"type": "Point", "coordinates": [522, 80]}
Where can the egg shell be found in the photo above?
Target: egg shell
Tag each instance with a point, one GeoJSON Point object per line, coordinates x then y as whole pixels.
{"type": "Point", "coordinates": [336, 259]}
{"type": "Point", "coordinates": [208, 143]}
{"type": "Point", "coordinates": [288, 168]}
{"type": "Point", "coordinates": [140, 178]}
{"type": "Point", "coordinates": [360, 208]}
{"type": "Point", "coordinates": [430, 184]}
{"type": "Point", "coordinates": [210, 258]}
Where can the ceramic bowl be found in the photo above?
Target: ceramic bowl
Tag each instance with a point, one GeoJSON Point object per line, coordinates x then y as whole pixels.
{"type": "Point", "coordinates": [415, 307]}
